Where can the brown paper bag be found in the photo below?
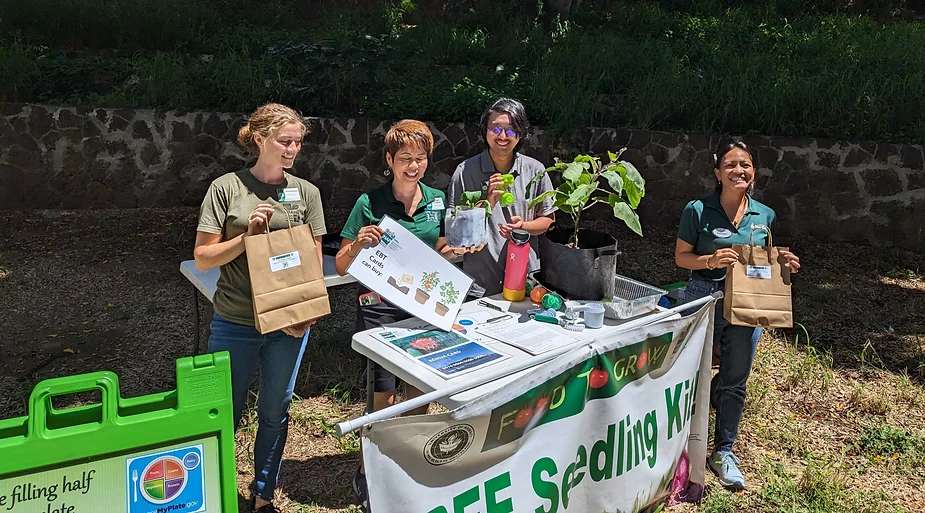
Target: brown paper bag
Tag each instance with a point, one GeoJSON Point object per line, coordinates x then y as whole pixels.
{"type": "Point", "coordinates": [758, 286]}
{"type": "Point", "coordinates": [287, 280]}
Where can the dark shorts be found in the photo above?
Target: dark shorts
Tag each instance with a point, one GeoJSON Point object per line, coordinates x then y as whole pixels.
{"type": "Point", "coordinates": [369, 317]}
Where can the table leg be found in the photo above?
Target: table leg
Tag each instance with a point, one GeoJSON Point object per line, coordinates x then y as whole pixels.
{"type": "Point", "coordinates": [207, 329]}
{"type": "Point", "coordinates": [369, 386]}
{"type": "Point", "coordinates": [196, 338]}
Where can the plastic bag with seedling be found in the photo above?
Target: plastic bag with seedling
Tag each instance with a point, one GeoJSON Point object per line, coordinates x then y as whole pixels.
{"type": "Point", "coordinates": [467, 224]}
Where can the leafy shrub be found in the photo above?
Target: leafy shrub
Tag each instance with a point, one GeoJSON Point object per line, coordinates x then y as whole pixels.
{"type": "Point", "coordinates": [704, 67]}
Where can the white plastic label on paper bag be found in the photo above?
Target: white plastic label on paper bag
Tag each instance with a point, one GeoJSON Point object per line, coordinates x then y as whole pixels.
{"type": "Point", "coordinates": [285, 261]}
{"type": "Point", "coordinates": [762, 272]}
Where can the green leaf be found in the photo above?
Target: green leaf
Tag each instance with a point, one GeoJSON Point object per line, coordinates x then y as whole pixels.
{"type": "Point", "coordinates": [470, 198]}
{"type": "Point", "coordinates": [561, 202]}
{"type": "Point", "coordinates": [539, 199]}
{"type": "Point", "coordinates": [633, 175]}
{"type": "Point", "coordinates": [633, 183]}
{"type": "Point", "coordinates": [623, 211]}
{"type": "Point", "coordinates": [581, 194]}
{"type": "Point", "coordinates": [573, 171]}
{"type": "Point", "coordinates": [614, 179]}
{"type": "Point", "coordinates": [585, 178]}
{"type": "Point", "coordinates": [612, 156]}
{"type": "Point", "coordinates": [633, 194]}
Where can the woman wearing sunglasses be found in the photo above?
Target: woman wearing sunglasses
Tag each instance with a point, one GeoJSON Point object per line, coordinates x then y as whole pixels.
{"type": "Point", "coordinates": [503, 128]}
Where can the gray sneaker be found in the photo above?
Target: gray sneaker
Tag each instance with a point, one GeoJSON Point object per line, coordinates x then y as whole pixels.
{"type": "Point", "coordinates": [725, 466]}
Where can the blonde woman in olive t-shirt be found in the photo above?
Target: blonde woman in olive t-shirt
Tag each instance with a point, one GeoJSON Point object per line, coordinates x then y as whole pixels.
{"type": "Point", "coordinates": [238, 205]}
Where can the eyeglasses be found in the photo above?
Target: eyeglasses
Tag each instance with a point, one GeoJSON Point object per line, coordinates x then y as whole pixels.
{"type": "Point", "coordinates": [497, 130]}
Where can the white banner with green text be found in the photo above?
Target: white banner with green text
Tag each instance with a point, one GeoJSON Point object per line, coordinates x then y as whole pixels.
{"type": "Point", "coordinates": [617, 425]}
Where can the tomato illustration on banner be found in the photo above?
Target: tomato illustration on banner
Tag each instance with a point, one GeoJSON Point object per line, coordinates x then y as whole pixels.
{"type": "Point", "coordinates": [167, 481]}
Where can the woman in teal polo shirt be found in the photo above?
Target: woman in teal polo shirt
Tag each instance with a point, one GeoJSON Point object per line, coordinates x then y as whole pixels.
{"type": "Point", "coordinates": [417, 207]}
{"type": "Point", "coordinates": [708, 229]}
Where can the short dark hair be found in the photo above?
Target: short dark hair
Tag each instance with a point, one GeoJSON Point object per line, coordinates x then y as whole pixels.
{"type": "Point", "coordinates": [721, 152]}
{"type": "Point", "coordinates": [516, 111]}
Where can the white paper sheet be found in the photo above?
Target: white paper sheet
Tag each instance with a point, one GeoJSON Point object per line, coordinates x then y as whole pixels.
{"type": "Point", "coordinates": [465, 324]}
{"type": "Point", "coordinates": [533, 337]}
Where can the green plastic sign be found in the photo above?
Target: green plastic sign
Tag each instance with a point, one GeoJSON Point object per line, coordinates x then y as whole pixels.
{"type": "Point", "coordinates": [171, 452]}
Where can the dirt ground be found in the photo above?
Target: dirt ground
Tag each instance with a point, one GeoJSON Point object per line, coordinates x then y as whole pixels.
{"type": "Point", "coordinates": [82, 291]}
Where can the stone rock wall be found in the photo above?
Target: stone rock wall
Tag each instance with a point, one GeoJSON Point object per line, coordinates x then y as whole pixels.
{"type": "Point", "coordinates": [76, 157]}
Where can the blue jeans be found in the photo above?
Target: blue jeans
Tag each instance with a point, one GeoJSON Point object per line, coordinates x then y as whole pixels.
{"type": "Point", "coordinates": [737, 352]}
{"type": "Point", "coordinates": [278, 357]}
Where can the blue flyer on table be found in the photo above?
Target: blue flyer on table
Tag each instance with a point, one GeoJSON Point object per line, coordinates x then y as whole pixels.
{"type": "Point", "coordinates": [449, 354]}
{"type": "Point", "coordinates": [461, 359]}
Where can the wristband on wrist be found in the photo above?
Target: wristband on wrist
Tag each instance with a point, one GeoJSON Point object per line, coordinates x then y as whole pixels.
{"type": "Point", "coordinates": [710, 267]}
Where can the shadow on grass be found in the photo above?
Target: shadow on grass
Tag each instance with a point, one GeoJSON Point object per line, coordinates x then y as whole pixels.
{"type": "Point", "coordinates": [329, 361]}
{"type": "Point", "coordinates": [323, 480]}
{"type": "Point", "coordinates": [864, 305]}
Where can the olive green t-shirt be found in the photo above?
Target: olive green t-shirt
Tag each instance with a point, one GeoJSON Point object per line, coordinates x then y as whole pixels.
{"type": "Point", "coordinates": [705, 225]}
{"type": "Point", "coordinates": [230, 200]}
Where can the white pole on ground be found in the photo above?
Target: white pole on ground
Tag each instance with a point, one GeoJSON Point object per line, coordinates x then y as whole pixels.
{"type": "Point", "coordinates": [349, 426]}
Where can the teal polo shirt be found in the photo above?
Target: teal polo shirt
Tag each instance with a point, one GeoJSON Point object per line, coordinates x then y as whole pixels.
{"type": "Point", "coordinates": [426, 223]}
{"type": "Point", "coordinates": [705, 225]}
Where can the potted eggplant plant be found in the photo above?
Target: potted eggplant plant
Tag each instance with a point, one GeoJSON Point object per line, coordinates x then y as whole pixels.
{"type": "Point", "coordinates": [581, 263]}
{"type": "Point", "coordinates": [467, 224]}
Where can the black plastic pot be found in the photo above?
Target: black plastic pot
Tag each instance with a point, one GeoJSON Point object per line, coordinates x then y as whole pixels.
{"type": "Point", "coordinates": [586, 273]}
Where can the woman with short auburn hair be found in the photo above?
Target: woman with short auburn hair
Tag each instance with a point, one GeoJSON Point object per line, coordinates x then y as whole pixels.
{"type": "Point", "coordinates": [419, 208]}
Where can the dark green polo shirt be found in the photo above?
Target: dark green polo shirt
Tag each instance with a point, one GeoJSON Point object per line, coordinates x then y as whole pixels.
{"type": "Point", "coordinates": [705, 225]}
{"type": "Point", "coordinates": [426, 223]}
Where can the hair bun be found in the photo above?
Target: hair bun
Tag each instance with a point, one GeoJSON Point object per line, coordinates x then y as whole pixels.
{"type": "Point", "coordinates": [245, 136]}
{"type": "Point", "coordinates": [263, 121]}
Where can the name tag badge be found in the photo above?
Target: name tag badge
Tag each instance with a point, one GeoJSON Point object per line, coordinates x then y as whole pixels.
{"type": "Point", "coordinates": [289, 194]}
{"type": "Point", "coordinates": [722, 233]}
{"type": "Point", "coordinates": [436, 204]}
{"type": "Point", "coordinates": [762, 272]}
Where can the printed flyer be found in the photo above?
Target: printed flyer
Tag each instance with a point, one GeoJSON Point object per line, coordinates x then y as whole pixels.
{"type": "Point", "coordinates": [449, 354]}
{"type": "Point", "coordinates": [412, 276]}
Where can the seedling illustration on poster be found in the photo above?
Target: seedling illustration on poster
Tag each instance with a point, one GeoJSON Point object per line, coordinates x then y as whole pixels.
{"type": "Point", "coordinates": [412, 275]}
